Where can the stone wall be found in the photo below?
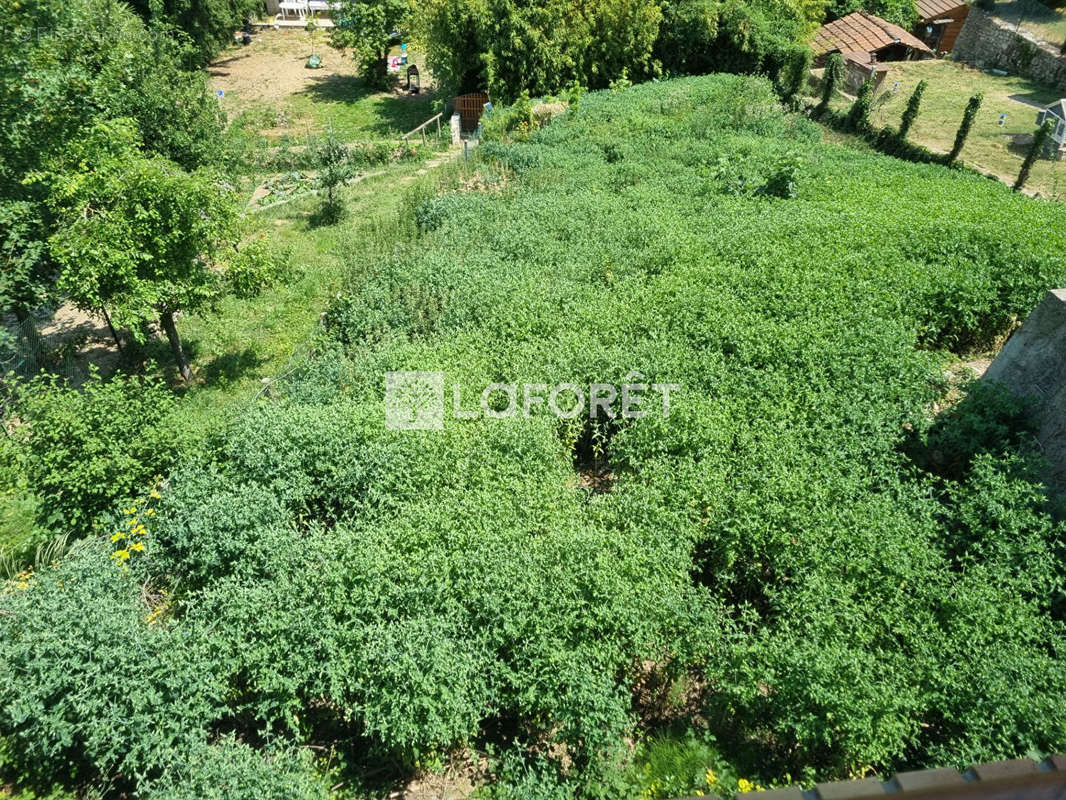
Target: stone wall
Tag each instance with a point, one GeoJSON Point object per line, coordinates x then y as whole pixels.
{"type": "Point", "coordinates": [1033, 364]}
{"type": "Point", "coordinates": [990, 43]}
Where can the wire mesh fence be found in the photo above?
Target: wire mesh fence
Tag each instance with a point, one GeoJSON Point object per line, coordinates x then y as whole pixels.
{"type": "Point", "coordinates": [25, 352]}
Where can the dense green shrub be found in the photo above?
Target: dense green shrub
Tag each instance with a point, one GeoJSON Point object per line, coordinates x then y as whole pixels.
{"type": "Point", "coordinates": [209, 24]}
{"type": "Point", "coordinates": [833, 75]}
{"type": "Point", "coordinates": [500, 46]}
{"type": "Point", "coordinates": [230, 770]}
{"type": "Point", "coordinates": [90, 689]}
{"type": "Point", "coordinates": [503, 47]}
{"type": "Point", "coordinates": [764, 37]}
{"type": "Point", "coordinates": [901, 12]}
{"type": "Point", "coordinates": [818, 576]}
{"type": "Point", "coordinates": [1040, 139]}
{"type": "Point", "coordinates": [910, 114]}
{"type": "Point", "coordinates": [968, 117]}
{"type": "Point", "coordinates": [84, 448]}
{"type": "Point", "coordinates": [859, 114]}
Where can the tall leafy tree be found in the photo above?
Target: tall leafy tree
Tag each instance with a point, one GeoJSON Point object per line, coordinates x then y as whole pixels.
{"type": "Point", "coordinates": [369, 28]}
{"type": "Point", "coordinates": [136, 233]}
{"type": "Point", "coordinates": [209, 24]}
{"type": "Point", "coordinates": [1040, 140]}
{"type": "Point", "coordinates": [914, 105]}
{"type": "Point", "coordinates": [63, 67]}
{"type": "Point", "coordinates": [26, 274]}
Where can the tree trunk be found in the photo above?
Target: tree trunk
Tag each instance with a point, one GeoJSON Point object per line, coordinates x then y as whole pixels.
{"type": "Point", "coordinates": [166, 319]}
{"type": "Point", "coordinates": [114, 333]}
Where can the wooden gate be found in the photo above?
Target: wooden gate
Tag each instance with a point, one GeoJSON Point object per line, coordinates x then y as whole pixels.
{"type": "Point", "coordinates": [470, 107]}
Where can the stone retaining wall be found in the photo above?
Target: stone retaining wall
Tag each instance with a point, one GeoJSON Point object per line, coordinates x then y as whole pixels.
{"type": "Point", "coordinates": [990, 43]}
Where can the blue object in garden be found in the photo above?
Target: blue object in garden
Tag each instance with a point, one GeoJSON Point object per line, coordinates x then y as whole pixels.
{"type": "Point", "coordinates": [220, 93]}
{"type": "Point", "coordinates": [314, 62]}
{"type": "Point", "coordinates": [403, 47]}
{"type": "Point", "coordinates": [1002, 119]}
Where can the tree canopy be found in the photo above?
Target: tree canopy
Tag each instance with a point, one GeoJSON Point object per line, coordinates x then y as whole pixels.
{"type": "Point", "coordinates": [136, 234]}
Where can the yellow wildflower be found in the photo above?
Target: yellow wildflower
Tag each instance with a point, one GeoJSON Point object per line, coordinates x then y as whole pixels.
{"type": "Point", "coordinates": [710, 777]}
{"type": "Point", "coordinates": [137, 546]}
{"type": "Point", "coordinates": [744, 786]}
{"type": "Point", "coordinates": [117, 535]}
{"type": "Point", "coordinates": [121, 555]}
{"type": "Point", "coordinates": [149, 512]}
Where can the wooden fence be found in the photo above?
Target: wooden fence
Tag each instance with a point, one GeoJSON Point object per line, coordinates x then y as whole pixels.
{"type": "Point", "coordinates": [422, 129]}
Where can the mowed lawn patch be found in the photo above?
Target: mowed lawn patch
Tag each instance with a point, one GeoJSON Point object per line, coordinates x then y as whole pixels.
{"type": "Point", "coordinates": [996, 148]}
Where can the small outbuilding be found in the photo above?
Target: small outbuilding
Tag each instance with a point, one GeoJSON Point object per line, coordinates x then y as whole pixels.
{"type": "Point", "coordinates": [864, 39]}
{"type": "Point", "coordinates": [940, 23]}
{"type": "Point", "coordinates": [1056, 112]}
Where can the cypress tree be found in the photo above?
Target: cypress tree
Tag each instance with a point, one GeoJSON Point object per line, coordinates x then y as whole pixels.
{"type": "Point", "coordinates": [859, 116]}
{"type": "Point", "coordinates": [968, 117]}
{"type": "Point", "coordinates": [1043, 133]}
{"type": "Point", "coordinates": [911, 113]}
{"type": "Point", "coordinates": [834, 71]}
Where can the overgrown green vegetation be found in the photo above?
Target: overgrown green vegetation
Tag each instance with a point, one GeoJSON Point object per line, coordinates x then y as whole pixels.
{"type": "Point", "coordinates": [798, 573]}
{"type": "Point", "coordinates": [502, 47]}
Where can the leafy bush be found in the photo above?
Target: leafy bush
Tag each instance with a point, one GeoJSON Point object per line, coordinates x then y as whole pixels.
{"type": "Point", "coordinates": [90, 689]}
{"type": "Point", "coordinates": [781, 563]}
{"type": "Point", "coordinates": [230, 770]}
{"type": "Point", "coordinates": [499, 46]}
{"type": "Point", "coordinates": [87, 448]}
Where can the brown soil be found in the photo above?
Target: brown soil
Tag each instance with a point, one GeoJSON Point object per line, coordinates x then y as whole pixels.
{"type": "Point", "coordinates": [70, 323]}
{"type": "Point", "coordinates": [273, 67]}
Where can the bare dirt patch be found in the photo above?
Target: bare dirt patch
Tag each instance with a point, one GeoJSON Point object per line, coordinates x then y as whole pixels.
{"type": "Point", "coordinates": [274, 66]}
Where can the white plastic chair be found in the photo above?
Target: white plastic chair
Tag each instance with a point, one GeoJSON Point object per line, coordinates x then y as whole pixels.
{"type": "Point", "coordinates": [299, 7]}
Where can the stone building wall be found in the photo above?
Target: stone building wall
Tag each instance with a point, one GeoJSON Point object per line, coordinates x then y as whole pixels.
{"type": "Point", "coordinates": [990, 43]}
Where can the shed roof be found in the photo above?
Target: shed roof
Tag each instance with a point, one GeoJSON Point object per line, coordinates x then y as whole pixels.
{"type": "Point", "coordinates": [937, 9]}
{"type": "Point", "coordinates": [862, 32]}
{"type": "Point", "coordinates": [1058, 108]}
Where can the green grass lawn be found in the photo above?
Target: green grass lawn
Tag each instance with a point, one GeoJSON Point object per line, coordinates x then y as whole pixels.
{"type": "Point", "coordinates": [1048, 24]}
{"type": "Point", "coordinates": [998, 149]}
{"type": "Point", "coordinates": [246, 341]}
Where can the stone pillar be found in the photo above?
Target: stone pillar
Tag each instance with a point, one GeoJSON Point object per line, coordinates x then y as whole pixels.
{"type": "Point", "coordinates": [456, 124]}
{"type": "Point", "coordinates": [1033, 364]}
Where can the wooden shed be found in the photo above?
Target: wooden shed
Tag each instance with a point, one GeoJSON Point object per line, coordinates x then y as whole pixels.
{"type": "Point", "coordinates": [940, 23]}
{"type": "Point", "coordinates": [863, 38]}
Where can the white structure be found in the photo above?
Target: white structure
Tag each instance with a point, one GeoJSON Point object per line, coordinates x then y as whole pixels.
{"type": "Point", "coordinates": [1056, 112]}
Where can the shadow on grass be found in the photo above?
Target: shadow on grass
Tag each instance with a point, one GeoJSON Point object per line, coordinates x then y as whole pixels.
{"type": "Point", "coordinates": [230, 367]}
{"type": "Point", "coordinates": [391, 111]}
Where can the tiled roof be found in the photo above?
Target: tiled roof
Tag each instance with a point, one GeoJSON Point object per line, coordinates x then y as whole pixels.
{"type": "Point", "coordinates": [937, 9]}
{"type": "Point", "coordinates": [862, 32]}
